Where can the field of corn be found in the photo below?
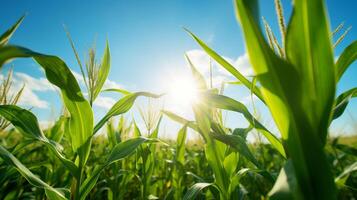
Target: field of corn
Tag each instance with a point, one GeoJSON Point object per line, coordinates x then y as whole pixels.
{"type": "Point", "coordinates": [80, 158]}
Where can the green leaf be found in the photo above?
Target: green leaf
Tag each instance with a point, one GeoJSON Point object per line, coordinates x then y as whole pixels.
{"type": "Point", "coordinates": [243, 132]}
{"type": "Point", "coordinates": [286, 186]}
{"type": "Point", "coordinates": [122, 106]}
{"type": "Point", "coordinates": [235, 180]}
{"type": "Point", "coordinates": [27, 124]}
{"type": "Point", "coordinates": [227, 103]}
{"type": "Point", "coordinates": [80, 124]}
{"type": "Point", "coordinates": [23, 120]}
{"type": "Point", "coordinates": [103, 71]}
{"type": "Point", "coordinates": [121, 91]}
{"type": "Point", "coordinates": [214, 150]}
{"type": "Point", "coordinates": [234, 141]}
{"type": "Point", "coordinates": [180, 146]}
{"type": "Point", "coordinates": [112, 133]}
{"type": "Point", "coordinates": [346, 149]}
{"type": "Point", "coordinates": [180, 120]}
{"type": "Point", "coordinates": [155, 133]}
{"type": "Point", "coordinates": [56, 70]}
{"type": "Point", "coordinates": [199, 79]}
{"type": "Point", "coordinates": [124, 149]}
{"type": "Point", "coordinates": [120, 151]}
{"type": "Point", "coordinates": [276, 76]}
{"type": "Point", "coordinates": [309, 49]}
{"type": "Point", "coordinates": [57, 130]}
{"type": "Point", "coordinates": [194, 190]}
{"type": "Point", "coordinates": [28, 175]}
{"type": "Point", "coordinates": [342, 178]}
{"type": "Point", "coordinates": [53, 196]}
{"type": "Point", "coordinates": [5, 37]}
{"type": "Point", "coordinates": [348, 56]}
{"type": "Point", "coordinates": [238, 144]}
{"type": "Point", "coordinates": [136, 132]}
{"type": "Point", "coordinates": [230, 68]}
{"type": "Point", "coordinates": [299, 91]}
{"type": "Point", "coordinates": [230, 163]}
{"type": "Point", "coordinates": [342, 101]}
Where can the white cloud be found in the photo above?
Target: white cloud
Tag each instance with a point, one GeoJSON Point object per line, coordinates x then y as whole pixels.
{"type": "Point", "coordinates": [104, 102]}
{"type": "Point", "coordinates": [40, 84]}
{"type": "Point", "coordinates": [249, 99]}
{"type": "Point", "coordinates": [32, 85]}
{"type": "Point", "coordinates": [112, 84]}
{"type": "Point", "coordinates": [108, 83]}
{"type": "Point", "coordinates": [243, 65]}
{"type": "Point", "coordinates": [30, 98]}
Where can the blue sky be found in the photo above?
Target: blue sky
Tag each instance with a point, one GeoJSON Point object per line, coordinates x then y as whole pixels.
{"type": "Point", "coordinates": [147, 45]}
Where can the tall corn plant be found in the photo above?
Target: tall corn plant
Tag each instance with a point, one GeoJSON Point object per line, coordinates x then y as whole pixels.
{"type": "Point", "coordinates": [298, 82]}
{"type": "Point", "coordinates": [151, 117]}
{"type": "Point", "coordinates": [79, 126]}
{"type": "Point", "coordinates": [223, 148]}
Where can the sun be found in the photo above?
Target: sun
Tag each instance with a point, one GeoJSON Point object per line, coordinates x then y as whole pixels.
{"type": "Point", "coordinates": [182, 92]}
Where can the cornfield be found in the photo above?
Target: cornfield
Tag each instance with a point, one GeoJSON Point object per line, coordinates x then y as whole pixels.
{"type": "Point", "coordinates": [295, 78]}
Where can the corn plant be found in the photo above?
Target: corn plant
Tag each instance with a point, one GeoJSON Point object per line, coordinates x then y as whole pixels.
{"type": "Point", "coordinates": [152, 118]}
{"type": "Point", "coordinates": [79, 127]}
{"type": "Point", "coordinates": [298, 81]}
{"type": "Point", "coordinates": [223, 148]}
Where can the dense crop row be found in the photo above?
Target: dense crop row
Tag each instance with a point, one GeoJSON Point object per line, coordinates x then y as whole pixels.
{"type": "Point", "coordinates": [296, 79]}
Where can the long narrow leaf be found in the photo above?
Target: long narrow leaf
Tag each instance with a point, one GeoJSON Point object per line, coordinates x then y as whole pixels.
{"type": "Point", "coordinates": [27, 174]}
{"type": "Point", "coordinates": [103, 71]}
{"type": "Point", "coordinates": [342, 101]}
{"type": "Point", "coordinates": [299, 91]}
{"type": "Point", "coordinates": [27, 124]}
{"type": "Point", "coordinates": [122, 106]}
{"type": "Point", "coordinates": [348, 56]}
{"type": "Point", "coordinates": [194, 190]}
{"type": "Point", "coordinates": [120, 151]}
{"type": "Point", "coordinates": [230, 68]}
{"type": "Point", "coordinates": [80, 124]}
{"type": "Point", "coordinates": [5, 37]}
{"type": "Point", "coordinates": [224, 102]}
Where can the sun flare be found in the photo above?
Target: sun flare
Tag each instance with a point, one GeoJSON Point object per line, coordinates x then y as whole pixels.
{"type": "Point", "coordinates": [183, 92]}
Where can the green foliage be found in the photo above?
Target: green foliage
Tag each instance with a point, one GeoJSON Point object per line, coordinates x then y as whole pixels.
{"type": "Point", "coordinates": [296, 79]}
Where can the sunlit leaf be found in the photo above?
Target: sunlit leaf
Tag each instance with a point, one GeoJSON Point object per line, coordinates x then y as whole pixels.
{"type": "Point", "coordinates": [224, 102]}
{"type": "Point", "coordinates": [5, 37]}
{"type": "Point", "coordinates": [348, 56]}
{"type": "Point", "coordinates": [122, 106]}
{"type": "Point", "coordinates": [103, 71]}
{"type": "Point", "coordinates": [342, 101]}
{"type": "Point", "coordinates": [80, 124]}
{"type": "Point", "coordinates": [230, 68]}
{"type": "Point", "coordinates": [342, 178]}
{"type": "Point", "coordinates": [194, 190]}
{"type": "Point", "coordinates": [299, 91]}
{"type": "Point", "coordinates": [27, 124]}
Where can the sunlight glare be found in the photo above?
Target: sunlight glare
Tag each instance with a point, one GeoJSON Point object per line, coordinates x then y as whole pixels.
{"type": "Point", "coordinates": [183, 92]}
